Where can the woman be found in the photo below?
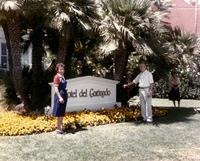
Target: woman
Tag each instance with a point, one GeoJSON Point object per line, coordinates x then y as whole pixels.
{"type": "Point", "coordinates": [60, 97]}
{"type": "Point", "coordinates": [174, 93]}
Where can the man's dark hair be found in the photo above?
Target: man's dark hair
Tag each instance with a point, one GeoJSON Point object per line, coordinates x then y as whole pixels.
{"type": "Point", "coordinates": [142, 61]}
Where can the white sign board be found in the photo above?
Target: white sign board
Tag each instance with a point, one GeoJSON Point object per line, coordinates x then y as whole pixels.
{"type": "Point", "coordinates": [89, 92]}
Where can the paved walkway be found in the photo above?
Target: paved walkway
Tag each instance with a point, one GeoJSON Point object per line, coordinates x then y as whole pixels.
{"type": "Point", "coordinates": [167, 103]}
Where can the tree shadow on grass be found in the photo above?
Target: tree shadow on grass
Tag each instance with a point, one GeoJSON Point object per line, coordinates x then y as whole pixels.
{"type": "Point", "coordinates": [174, 115]}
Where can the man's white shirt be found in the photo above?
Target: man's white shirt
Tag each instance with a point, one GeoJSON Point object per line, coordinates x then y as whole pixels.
{"type": "Point", "coordinates": [145, 79]}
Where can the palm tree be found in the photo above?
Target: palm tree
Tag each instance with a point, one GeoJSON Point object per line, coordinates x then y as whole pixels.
{"type": "Point", "coordinates": [129, 23]}
{"type": "Point", "coordinates": [182, 47]}
{"type": "Point", "coordinates": [37, 24]}
{"type": "Point", "coordinates": [12, 13]}
{"type": "Point", "coordinates": [19, 16]}
{"type": "Point", "coordinates": [180, 53]}
{"type": "Point", "coordinates": [68, 17]}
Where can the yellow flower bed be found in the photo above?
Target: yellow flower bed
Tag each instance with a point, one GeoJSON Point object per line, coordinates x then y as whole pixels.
{"type": "Point", "coordinates": [12, 124]}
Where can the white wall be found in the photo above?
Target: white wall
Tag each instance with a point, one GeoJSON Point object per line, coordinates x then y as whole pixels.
{"type": "Point", "coordinates": [2, 37]}
{"type": "Point", "coordinates": [2, 40]}
{"type": "Point", "coordinates": [26, 58]}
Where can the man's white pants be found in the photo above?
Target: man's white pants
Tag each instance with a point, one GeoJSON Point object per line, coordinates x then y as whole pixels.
{"type": "Point", "coordinates": [145, 103]}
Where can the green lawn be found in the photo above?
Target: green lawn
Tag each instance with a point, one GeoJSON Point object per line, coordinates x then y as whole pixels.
{"type": "Point", "coordinates": [175, 137]}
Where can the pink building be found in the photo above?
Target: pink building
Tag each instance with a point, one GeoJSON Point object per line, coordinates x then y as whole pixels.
{"type": "Point", "coordinates": [186, 15]}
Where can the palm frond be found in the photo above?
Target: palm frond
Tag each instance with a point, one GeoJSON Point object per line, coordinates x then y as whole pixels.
{"type": "Point", "coordinates": [9, 5]}
{"type": "Point", "coordinates": [127, 19]}
{"type": "Point", "coordinates": [182, 47]}
{"type": "Point", "coordinates": [81, 12]}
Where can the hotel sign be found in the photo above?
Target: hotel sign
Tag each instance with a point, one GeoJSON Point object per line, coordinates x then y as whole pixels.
{"type": "Point", "coordinates": [89, 93]}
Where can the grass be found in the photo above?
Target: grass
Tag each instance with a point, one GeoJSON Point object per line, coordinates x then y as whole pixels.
{"type": "Point", "coordinates": [174, 137]}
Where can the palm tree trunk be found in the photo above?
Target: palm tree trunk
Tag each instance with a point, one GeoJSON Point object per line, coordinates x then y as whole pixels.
{"type": "Point", "coordinates": [12, 88]}
{"type": "Point", "coordinates": [120, 62]}
{"type": "Point", "coordinates": [63, 45]}
{"type": "Point", "coordinates": [68, 59]}
{"type": "Point", "coordinates": [14, 43]}
{"type": "Point", "coordinates": [37, 72]}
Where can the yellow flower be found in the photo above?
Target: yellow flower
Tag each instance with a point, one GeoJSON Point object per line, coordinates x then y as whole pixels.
{"type": "Point", "coordinates": [12, 124]}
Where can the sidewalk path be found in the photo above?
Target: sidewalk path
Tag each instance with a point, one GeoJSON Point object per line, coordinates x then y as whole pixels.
{"type": "Point", "coordinates": [158, 102]}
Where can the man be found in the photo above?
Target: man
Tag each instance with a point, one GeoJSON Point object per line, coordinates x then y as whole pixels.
{"type": "Point", "coordinates": [146, 82]}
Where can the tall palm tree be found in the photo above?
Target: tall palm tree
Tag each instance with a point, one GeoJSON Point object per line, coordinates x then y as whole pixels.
{"type": "Point", "coordinates": [37, 22]}
{"type": "Point", "coordinates": [20, 15]}
{"type": "Point", "coordinates": [128, 23]}
{"type": "Point", "coordinates": [68, 17]}
{"type": "Point", "coordinates": [11, 10]}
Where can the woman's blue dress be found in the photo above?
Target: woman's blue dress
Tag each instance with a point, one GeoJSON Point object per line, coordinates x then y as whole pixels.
{"type": "Point", "coordinates": [59, 108]}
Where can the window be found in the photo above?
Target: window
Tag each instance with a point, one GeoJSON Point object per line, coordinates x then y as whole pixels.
{"type": "Point", "coordinates": [4, 56]}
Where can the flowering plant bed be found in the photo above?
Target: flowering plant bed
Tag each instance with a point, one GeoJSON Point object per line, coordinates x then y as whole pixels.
{"type": "Point", "coordinates": [12, 124]}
